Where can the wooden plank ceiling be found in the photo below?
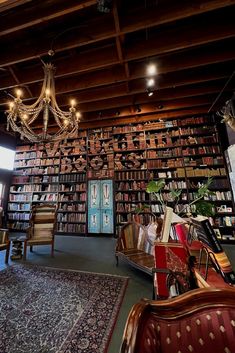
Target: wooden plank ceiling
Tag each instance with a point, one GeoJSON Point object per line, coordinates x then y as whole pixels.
{"type": "Point", "coordinates": [101, 58]}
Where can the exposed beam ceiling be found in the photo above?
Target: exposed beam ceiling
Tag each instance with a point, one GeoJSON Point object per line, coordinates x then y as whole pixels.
{"type": "Point", "coordinates": [101, 58]}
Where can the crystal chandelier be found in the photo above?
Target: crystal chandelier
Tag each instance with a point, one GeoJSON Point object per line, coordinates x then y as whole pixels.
{"type": "Point", "coordinates": [21, 117]}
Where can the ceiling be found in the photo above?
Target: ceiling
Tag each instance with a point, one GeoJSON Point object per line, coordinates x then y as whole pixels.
{"type": "Point", "coordinates": [101, 58]}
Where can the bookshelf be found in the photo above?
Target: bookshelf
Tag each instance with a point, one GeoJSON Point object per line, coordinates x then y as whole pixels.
{"type": "Point", "coordinates": [184, 152]}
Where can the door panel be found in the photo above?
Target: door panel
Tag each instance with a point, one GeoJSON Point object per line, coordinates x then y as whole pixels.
{"type": "Point", "coordinates": [106, 221]}
{"type": "Point", "coordinates": [94, 221]}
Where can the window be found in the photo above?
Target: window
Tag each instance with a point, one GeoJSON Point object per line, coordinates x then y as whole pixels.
{"type": "Point", "coordinates": [7, 157]}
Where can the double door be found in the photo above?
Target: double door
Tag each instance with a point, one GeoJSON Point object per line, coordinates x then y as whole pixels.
{"type": "Point", "coordinates": [100, 206]}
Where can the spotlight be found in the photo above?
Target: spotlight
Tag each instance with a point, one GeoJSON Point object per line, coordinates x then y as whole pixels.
{"type": "Point", "coordinates": [138, 109]}
{"type": "Point", "coordinates": [150, 82]}
{"type": "Point", "coordinates": [117, 112]}
{"type": "Point", "coordinates": [149, 92]}
{"type": "Point", "coordinates": [100, 114]}
{"type": "Point", "coordinates": [151, 69]}
{"type": "Point", "coordinates": [104, 6]}
{"type": "Point", "coordinates": [160, 106]}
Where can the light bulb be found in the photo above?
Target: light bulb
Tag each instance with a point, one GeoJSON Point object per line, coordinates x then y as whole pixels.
{"type": "Point", "coordinates": [18, 93]}
{"type": "Point", "coordinates": [11, 106]}
{"type": "Point", "coordinates": [25, 117]}
{"type": "Point", "coordinates": [78, 116]}
{"type": "Point", "coordinates": [47, 92]}
{"type": "Point", "coordinates": [73, 103]}
{"type": "Point", "coordinates": [151, 69]}
{"type": "Point", "coordinates": [150, 82]}
{"type": "Point", "coordinates": [66, 122]}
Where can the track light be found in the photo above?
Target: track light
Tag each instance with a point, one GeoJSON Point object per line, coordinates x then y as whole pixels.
{"type": "Point", "coordinates": [150, 82]}
{"type": "Point", "coordinates": [104, 6]}
{"type": "Point", "coordinates": [149, 91]}
{"type": "Point", "coordinates": [151, 69]}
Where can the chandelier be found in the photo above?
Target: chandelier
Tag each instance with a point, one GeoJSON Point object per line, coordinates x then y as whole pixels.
{"type": "Point", "coordinates": [23, 118]}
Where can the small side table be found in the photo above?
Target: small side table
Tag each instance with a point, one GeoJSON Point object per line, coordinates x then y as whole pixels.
{"type": "Point", "coordinates": [17, 247]}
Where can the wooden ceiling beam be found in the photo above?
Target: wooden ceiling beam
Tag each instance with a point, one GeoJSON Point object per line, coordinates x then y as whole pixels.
{"type": "Point", "coordinates": [180, 38]}
{"type": "Point", "coordinates": [167, 40]}
{"type": "Point", "coordinates": [176, 114]}
{"type": "Point", "coordinates": [38, 14]}
{"type": "Point", "coordinates": [188, 59]}
{"type": "Point", "coordinates": [66, 89]}
{"type": "Point", "coordinates": [169, 12]}
{"type": "Point", "coordinates": [163, 14]}
{"type": "Point", "coordinates": [175, 104]}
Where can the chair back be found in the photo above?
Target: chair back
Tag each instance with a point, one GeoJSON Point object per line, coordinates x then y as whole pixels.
{"type": "Point", "coordinates": [43, 221]}
{"type": "Point", "coordinates": [201, 320]}
{"type": "Point", "coordinates": [4, 236]}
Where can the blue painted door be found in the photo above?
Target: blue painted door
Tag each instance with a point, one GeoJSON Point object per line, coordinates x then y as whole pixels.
{"type": "Point", "coordinates": [100, 206]}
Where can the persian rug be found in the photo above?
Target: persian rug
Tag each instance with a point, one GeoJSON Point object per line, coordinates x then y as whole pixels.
{"type": "Point", "coordinates": [46, 310]}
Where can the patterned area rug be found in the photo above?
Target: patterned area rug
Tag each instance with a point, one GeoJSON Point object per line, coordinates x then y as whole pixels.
{"type": "Point", "coordinates": [45, 310]}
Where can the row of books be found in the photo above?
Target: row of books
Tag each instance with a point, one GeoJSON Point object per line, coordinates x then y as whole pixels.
{"type": "Point", "coordinates": [71, 228]}
{"type": "Point", "coordinates": [132, 174]}
{"type": "Point", "coordinates": [137, 196]}
{"type": "Point", "coordinates": [71, 207]}
{"type": "Point", "coordinates": [131, 185]}
{"type": "Point", "coordinates": [71, 217]}
{"type": "Point", "coordinates": [217, 196]}
{"type": "Point", "coordinates": [20, 197]}
{"type": "Point", "coordinates": [19, 216]}
{"type": "Point", "coordinates": [18, 225]}
{"type": "Point", "coordinates": [72, 197]}
{"type": "Point", "coordinates": [81, 177]}
{"type": "Point", "coordinates": [73, 187]}
{"type": "Point", "coordinates": [19, 206]}
{"type": "Point", "coordinates": [45, 197]}
{"type": "Point", "coordinates": [201, 150]}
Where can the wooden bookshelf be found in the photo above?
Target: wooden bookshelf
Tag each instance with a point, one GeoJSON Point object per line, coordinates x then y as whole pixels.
{"type": "Point", "coordinates": [184, 152]}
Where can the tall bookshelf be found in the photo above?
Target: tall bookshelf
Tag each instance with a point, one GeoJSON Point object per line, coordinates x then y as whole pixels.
{"type": "Point", "coordinates": [184, 152]}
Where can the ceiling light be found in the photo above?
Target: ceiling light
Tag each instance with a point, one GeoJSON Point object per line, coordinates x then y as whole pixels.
{"type": "Point", "coordinates": [21, 117]}
{"type": "Point", "coordinates": [151, 69]}
{"type": "Point", "coordinates": [150, 82]}
{"type": "Point", "coordinates": [149, 92]}
{"type": "Point", "coordinates": [104, 6]}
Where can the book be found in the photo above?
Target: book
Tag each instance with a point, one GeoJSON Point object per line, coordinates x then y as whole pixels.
{"type": "Point", "coordinates": [206, 233]}
{"type": "Point", "coordinates": [166, 227]}
{"type": "Point", "coordinates": [208, 238]}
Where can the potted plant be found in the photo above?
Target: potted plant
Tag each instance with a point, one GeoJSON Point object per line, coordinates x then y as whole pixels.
{"type": "Point", "coordinates": [197, 206]}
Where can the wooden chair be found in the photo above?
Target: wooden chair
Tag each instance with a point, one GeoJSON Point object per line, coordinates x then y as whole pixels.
{"type": "Point", "coordinates": [199, 321]}
{"type": "Point", "coordinates": [42, 227]}
{"type": "Point", "coordinates": [5, 243]}
{"type": "Point", "coordinates": [135, 247]}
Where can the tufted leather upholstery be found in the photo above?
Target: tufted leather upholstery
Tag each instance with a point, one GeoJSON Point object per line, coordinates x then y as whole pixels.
{"type": "Point", "coordinates": [199, 321]}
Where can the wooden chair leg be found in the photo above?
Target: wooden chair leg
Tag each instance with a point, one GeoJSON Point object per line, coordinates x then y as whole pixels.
{"type": "Point", "coordinates": [7, 253]}
{"type": "Point", "coordinates": [31, 248]}
{"type": "Point", "coordinates": [25, 250]}
{"type": "Point", "coordinates": [52, 249]}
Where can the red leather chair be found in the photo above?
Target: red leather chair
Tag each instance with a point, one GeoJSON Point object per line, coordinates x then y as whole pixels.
{"type": "Point", "coordinates": [199, 321]}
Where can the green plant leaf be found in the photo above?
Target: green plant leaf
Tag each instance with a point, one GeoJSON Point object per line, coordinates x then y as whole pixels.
{"type": "Point", "coordinates": [204, 208]}
{"type": "Point", "coordinates": [141, 209]}
{"type": "Point", "coordinates": [155, 186]}
{"type": "Point", "coordinates": [175, 193]}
